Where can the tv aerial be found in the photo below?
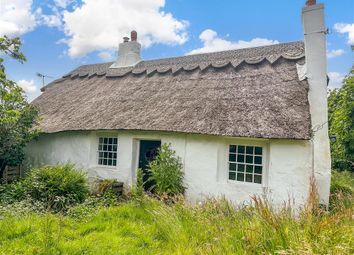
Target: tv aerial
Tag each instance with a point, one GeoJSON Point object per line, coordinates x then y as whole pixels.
{"type": "Point", "coordinates": [43, 76]}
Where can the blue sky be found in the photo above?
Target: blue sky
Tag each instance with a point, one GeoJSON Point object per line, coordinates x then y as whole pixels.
{"type": "Point", "coordinates": [59, 35]}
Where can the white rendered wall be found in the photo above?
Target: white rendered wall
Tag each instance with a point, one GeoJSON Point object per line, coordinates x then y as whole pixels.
{"type": "Point", "coordinates": [287, 164]}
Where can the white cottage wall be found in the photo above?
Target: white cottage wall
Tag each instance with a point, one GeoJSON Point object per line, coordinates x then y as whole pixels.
{"type": "Point", "coordinates": [287, 164]}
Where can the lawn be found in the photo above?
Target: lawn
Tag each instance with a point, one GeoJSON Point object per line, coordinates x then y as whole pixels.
{"type": "Point", "coordinates": [52, 212]}
{"type": "Point", "coordinates": [148, 226]}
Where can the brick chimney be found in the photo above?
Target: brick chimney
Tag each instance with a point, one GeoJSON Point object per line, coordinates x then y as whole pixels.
{"type": "Point", "coordinates": [128, 52]}
{"type": "Point", "coordinates": [316, 73]}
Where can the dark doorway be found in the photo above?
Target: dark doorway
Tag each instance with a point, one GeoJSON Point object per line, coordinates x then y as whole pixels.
{"type": "Point", "coordinates": [147, 153]}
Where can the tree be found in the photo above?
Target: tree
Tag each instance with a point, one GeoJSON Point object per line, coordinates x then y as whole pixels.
{"type": "Point", "coordinates": [17, 116]}
{"type": "Point", "coordinates": [341, 123]}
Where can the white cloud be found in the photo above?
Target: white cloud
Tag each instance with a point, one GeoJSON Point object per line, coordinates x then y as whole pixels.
{"type": "Point", "coordinates": [335, 79]}
{"type": "Point", "coordinates": [53, 20]}
{"type": "Point", "coordinates": [100, 25]}
{"type": "Point", "coordinates": [106, 56]}
{"type": "Point", "coordinates": [28, 86]}
{"type": "Point", "coordinates": [335, 53]}
{"type": "Point", "coordinates": [16, 17]}
{"type": "Point", "coordinates": [212, 42]}
{"type": "Point", "coordinates": [346, 28]}
{"type": "Point", "coordinates": [63, 3]}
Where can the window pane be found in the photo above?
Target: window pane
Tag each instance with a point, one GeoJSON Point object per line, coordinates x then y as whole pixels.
{"type": "Point", "coordinates": [249, 178]}
{"type": "Point", "coordinates": [241, 168]}
{"type": "Point", "coordinates": [241, 158]}
{"type": "Point", "coordinates": [249, 169]}
{"type": "Point", "coordinates": [107, 151]}
{"type": "Point", "coordinates": [258, 178]}
{"type": "Point", "coordinates": [240, 177]}
{"type": "Point", "coordinates": [258, 169]}
{"type": "Point", "coordinates": [258, 151]}
{"type": "Point", "coordinates": [249, 159]}
{"type": "Point", "coordinates": [245, 163]}
{"type": "Point", "coordinates": [258, 160]}
{"type": "Point", "coordinates": [232, 157]}
{"type": "Point", "coordinates": [232, 175]}
{"type": "Point", "coordinates": [249, 149]}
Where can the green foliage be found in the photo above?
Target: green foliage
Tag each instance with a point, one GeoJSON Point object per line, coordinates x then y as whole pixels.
{"type": "Point", "coordinates": [341, 124]}
{"type": "Point", "coordinates": [57, 186]}
{"type": "Point", "coordinates": [14, 192]}
{"type": "Point", "coordinates": [17, 116]}
{"type": "Point", "coordinates": [342, 190]}
{"type": "Point", "coordinates": [138, 188]}
{"type": "Point", "coordinates": [166, 172]}
{"type": "Point", "coordinates": [152, 227]}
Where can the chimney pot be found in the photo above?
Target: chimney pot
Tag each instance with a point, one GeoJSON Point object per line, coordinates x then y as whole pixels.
{"type": "Point", "coordinates": [133, 36]}
{"type": "Point", "coordinates": [310, 2]}
{"type": "Point", "coordinates": [128, 52]}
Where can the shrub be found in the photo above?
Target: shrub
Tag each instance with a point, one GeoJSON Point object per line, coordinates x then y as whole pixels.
{"type": "Point", "coordinates": [14, 192]}
{"type": "Point", "coordinates": [166, 172]}
{"type": "Point", "coordinates": [57, 186]}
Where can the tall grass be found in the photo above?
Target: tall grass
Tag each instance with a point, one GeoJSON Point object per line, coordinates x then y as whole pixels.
{"type": "Point", "coordinates": [150, 226]}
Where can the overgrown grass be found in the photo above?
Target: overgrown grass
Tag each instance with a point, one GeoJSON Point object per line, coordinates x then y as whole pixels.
{"type": "Point", "coordinates": [149, 226]}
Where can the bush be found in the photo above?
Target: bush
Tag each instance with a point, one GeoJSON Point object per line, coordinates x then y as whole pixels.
{"type": "Point", "coordinates": [166, 172]}
{"type": "Point", "coordinates": [14, 192]}
{"type": "Point", "coordinates": [57, 186]}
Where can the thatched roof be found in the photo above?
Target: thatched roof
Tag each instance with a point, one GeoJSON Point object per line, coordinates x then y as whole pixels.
{"type": "Point", "coordinates": [252, 92]}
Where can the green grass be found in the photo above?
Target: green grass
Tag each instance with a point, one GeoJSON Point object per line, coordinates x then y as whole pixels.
{"type": "Point", "coordinates": [149, 226]}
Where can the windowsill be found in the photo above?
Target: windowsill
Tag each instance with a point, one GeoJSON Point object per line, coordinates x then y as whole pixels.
{"type": "Point", "coordinates": [252, 184]}
{"type": "Point", "coordinates": [107, 167]}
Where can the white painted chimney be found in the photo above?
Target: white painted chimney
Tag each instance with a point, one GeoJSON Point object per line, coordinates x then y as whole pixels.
{"type": "Point", "coordinates": [128, 52]}
{"type": "Point", "coordinates": [316, 73]}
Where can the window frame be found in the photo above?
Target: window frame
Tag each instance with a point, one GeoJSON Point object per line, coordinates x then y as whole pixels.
{"type": "Point", "coordinates": [263, 164]}
{"type": "Point", "coordinates": [107, 136]}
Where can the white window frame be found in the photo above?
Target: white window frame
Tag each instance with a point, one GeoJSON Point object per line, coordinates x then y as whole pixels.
{"type": "Point", "coordinates": [98, 151]}
{"type": "Point", "coordinates": [253, 164]}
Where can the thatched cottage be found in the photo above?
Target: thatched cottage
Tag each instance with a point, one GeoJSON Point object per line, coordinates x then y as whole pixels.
{"type": "Point", "coordinates": [248, 121]}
